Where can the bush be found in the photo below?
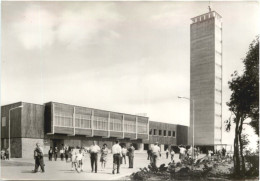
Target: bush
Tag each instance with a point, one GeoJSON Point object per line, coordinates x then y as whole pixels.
{"type": "Point", "coordinates": [252, 164]}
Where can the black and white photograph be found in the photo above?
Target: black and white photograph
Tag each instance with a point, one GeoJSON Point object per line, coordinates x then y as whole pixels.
{"type": "Point", "coordinates": [130, 90]}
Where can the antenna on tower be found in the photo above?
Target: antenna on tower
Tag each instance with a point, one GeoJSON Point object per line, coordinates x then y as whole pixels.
{"type": "Point", "coordinates": [209, 7]}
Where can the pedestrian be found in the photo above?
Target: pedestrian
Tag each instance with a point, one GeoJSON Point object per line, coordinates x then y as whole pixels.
{"type": "Point", "coordinates": [124, 152]}
{"type": "Point", "coordinates": [172, 155]}
{"type": "Point", "coordinates": [223, 152]}
{"type": "Point", "coordinates": [56, 153]}
{"type": "Point", "coordinates": [73, 158]}
{"type": "Point", "coordinates": [131, 150]}
{"type": "Point", "coordinates": [7, 154]}
{"type": "Point", "coordinates": [66, 153]}
{"type": "Point", "coordinates": [79, 158]}
{"type": "Point", "coordinates": [62, 153]}
{"type": "Point", "coordinates": [3, 157]}
{"type": "Point", "coordinates": [148, 154]}
{"type": "Point", "coordinates": [38, 157]}
{"type": "Point", "coordinates": [182, 152]}
{"type": "Point", "coordinates": [155, 153]}
{"type": "Point", "coordinates": [167, 153]}
{"type": "Point", "coordinates": [117, 153]}
{"type": "Point", "coordinates": [94, 149]}
{"type": "Point", "coordinates": [103, 158]}
{"type": "Point", "coordinates": [50, 154]}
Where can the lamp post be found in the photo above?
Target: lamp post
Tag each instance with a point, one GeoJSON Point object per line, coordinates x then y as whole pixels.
{"type": "Point", "coordinates": [193, 115]}
{"type": "Point", "coordinates": [9, 128]}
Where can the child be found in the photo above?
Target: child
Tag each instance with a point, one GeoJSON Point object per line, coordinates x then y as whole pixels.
{"type": "Point", "coordinates": [79, 158]}
{"type": "Point", "coordinates": [73, 158]}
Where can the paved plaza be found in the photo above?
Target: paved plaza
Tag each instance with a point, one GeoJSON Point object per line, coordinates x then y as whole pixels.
{"type": "Point", "coordinates": [19, 168]}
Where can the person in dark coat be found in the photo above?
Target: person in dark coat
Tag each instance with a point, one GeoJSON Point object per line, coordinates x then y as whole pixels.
{"type": "Point", "coordinates": [56, 153]}
{"type": "Point", "coordinates": [148, 154]}
{"type": "Point", "coordinates": [50, 154]}
{"type": "Point", "coordinates": [7, 154]}
{"type": "Point", "coordinates": [131, 150]}
{"type": "Point", "coordinates": [66, 153]}
{"type": "Point", "coordinates": [38, 157]}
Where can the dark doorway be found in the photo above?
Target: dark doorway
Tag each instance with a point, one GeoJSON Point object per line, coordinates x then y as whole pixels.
{"type": "Point", "coordinates": [146, 146]}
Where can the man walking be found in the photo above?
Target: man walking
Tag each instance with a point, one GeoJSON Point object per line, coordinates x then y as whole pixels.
{"type": "Point", "coordinates": [50, 154]}
{"type": "Point", "coordinates": [38, 157]}
{"type": "Point", "coordinates": [117, 153]}
{"type": "Point", "coordinates": [94, 149]}
{"type": "Point", "coordinates": [131, 150]}
{"type": "Point", "coordinates": [156, 151]}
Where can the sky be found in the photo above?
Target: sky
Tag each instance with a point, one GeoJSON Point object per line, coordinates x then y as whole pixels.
{"type": "Point", "coordinates": [131, 57]}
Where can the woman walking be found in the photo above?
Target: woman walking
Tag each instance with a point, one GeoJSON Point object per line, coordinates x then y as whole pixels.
{"type": "Point", "coordinates": [103, 158]}
{"type": "Point", "coordinates": [131, 150]}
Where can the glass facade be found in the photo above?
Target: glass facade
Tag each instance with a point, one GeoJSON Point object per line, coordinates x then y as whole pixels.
{"type": "Point", "coordinates": [85, 118]}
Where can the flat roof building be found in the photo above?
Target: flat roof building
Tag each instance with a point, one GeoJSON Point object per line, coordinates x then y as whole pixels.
{"type": "Point", "coordinates": [55, 124]}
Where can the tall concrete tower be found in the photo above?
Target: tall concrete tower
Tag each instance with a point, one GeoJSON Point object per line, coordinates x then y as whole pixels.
{"type": "Point", "coordinates": [206, 79]}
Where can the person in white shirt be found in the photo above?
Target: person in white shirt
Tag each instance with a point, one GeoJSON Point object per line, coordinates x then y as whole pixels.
{"type": "Point", "coordinates": [79, 158]}
{"type": "Point", "coordinates": [117, 153]}
{"type": "Point", "coordinates": [156, 152]}
{"type": "Point", "coordinates": [124, 151]}
{"type": "Point", "coordinates": [182, 152]}
{"type": "Point", "coordinates": [94, 149]}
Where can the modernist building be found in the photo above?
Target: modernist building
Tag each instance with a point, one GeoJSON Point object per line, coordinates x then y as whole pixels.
{"type": "Point", "coordinates": [54, 124]}
{"type": "Point", "coordinates": [206, 78]}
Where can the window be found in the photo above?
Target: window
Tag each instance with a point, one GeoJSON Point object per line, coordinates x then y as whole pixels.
{"type": "Point", "coordinates": [3, 121]}
{"type": "Point", "coordinates": [151, 132]}
{"type": "Point", "coordinates": [160, 132]}
{"type": "Point", "coordinates": [100, 123]}
{"type": "Point", "coordinates": [164, 133]}
{"type": "Point", "coordinates": [63, 120]}
{"type": "Point", "coordinates": [169, 133]}
{"type": "Point", "coordinates": [129, 126]}
{"type": "Point", "coordinates": [82, 121]}
{"type": "Point", "coordinates": [155, 132]}
{"type": "Point", "coordinates": [142, 127]}
{"type": "Point", "coordinates": [116, 124]}
{"type": "Point", "coordinates": [173, 134]}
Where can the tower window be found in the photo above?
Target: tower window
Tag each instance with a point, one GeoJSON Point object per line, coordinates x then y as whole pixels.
{"type": "Point", "coordinates": [173, 134]}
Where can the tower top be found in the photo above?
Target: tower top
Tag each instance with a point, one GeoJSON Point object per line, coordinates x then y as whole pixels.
{"type": "Point", "coordinates": [203, 17]}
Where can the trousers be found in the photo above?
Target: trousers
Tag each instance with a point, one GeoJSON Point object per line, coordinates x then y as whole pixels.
{"type": "Point", "coordinates": [39, 162]}
{"type": "Point", "coordinates": [116, 162]}
{"type": "Point", "coordinates": [131, 161]}
{"type": "Point", "coordinates": [93, 159]}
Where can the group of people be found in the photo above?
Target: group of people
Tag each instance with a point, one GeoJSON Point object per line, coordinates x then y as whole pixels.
{"type": "Point", "coordinates": [63, 152]}
{"type": "Point", "coordinates": [76, 155]}
{"type": "Point", "coordinates": [4, 154]}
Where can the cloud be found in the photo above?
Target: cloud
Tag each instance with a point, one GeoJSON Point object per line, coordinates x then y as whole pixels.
{"type": "Point", "coordinates": [74, 27]}
{"type": "Point", "coordinates": [35, 29]}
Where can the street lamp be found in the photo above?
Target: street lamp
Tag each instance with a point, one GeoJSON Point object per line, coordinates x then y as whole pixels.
{"type": "Point", "coordinates": [9, 128]}
{"type": "Point", "coordinates": [193, 115]}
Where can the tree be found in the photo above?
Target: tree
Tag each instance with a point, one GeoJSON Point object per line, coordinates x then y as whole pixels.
{"type": "Point", "coordinates": [244, 102]}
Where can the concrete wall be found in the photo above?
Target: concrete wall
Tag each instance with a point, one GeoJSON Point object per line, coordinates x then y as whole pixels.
{"type": "Point", "coordinates": [32, 121]}
{"type": "Point", "coordinates": [28, 146]}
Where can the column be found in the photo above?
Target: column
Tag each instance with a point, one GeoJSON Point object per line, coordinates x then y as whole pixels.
{"type": "Point", "coordinates": [74, 112]}
{"type": "Point", "coordinates": [141, 147]}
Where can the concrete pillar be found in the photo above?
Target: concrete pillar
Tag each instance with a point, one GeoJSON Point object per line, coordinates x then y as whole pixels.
{"type": "Point", "coordinates": [140, 147]}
